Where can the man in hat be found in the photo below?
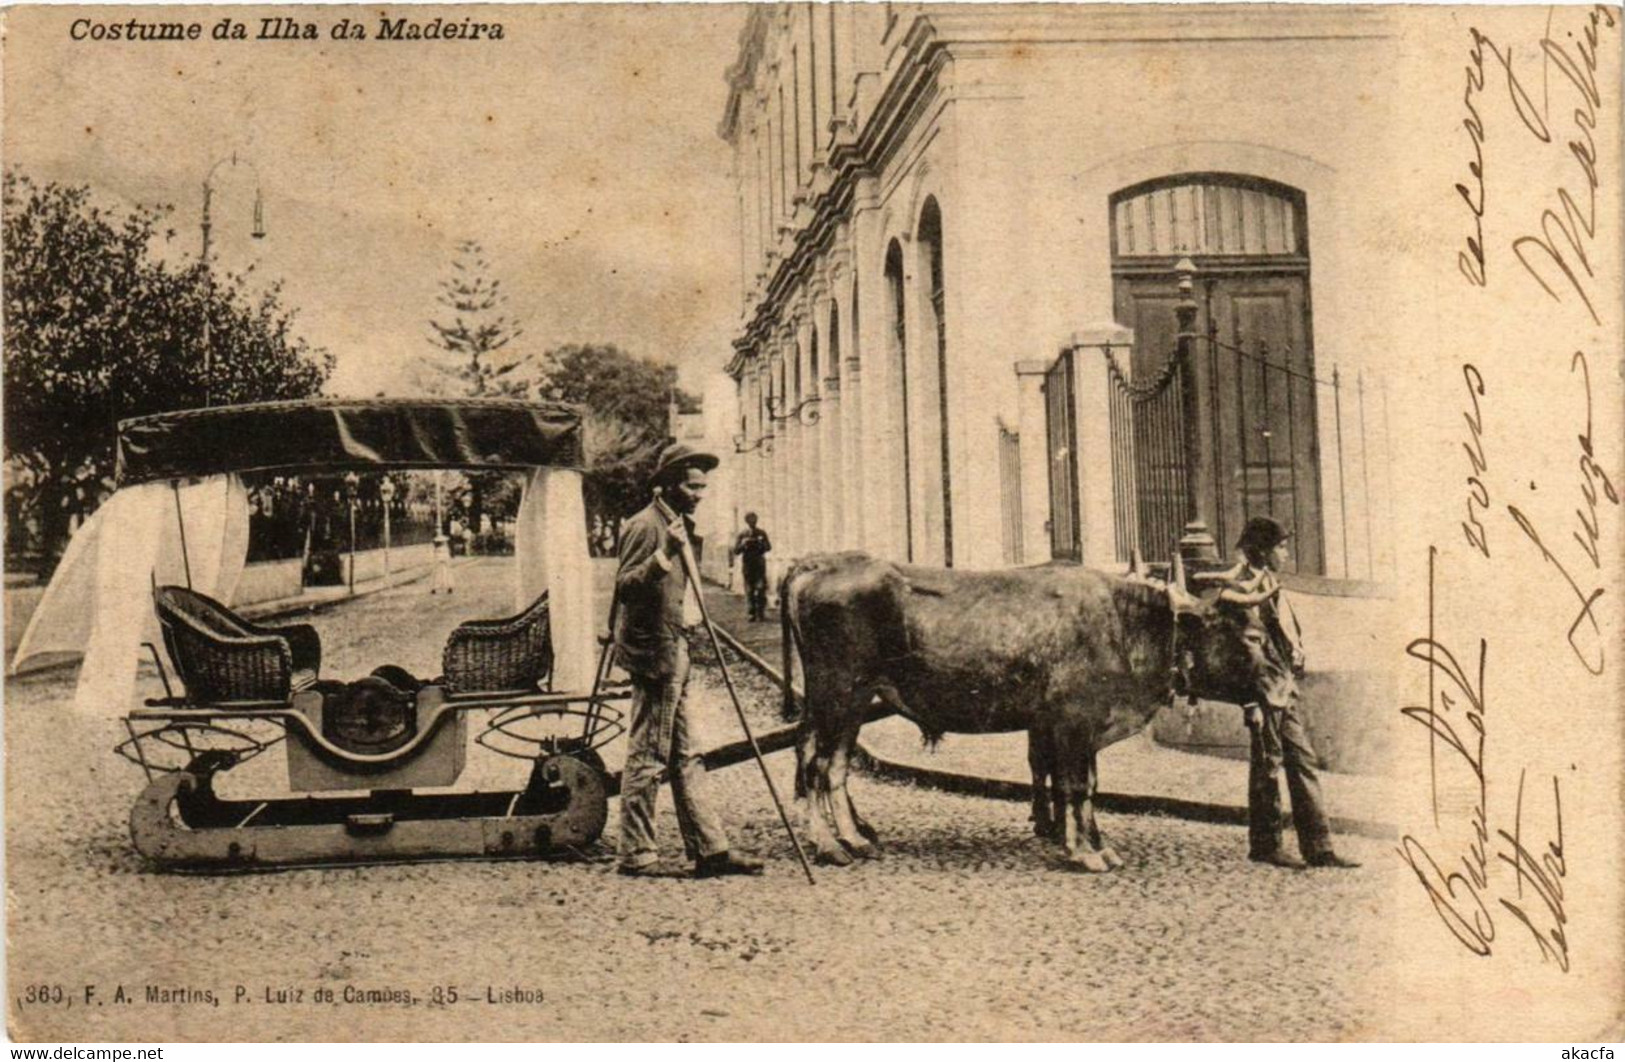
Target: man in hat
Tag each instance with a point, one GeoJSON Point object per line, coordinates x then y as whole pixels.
{"type": "Point", "coordinates": [1275, 646]}
{"type": "Point", "coordinates": [659, 609]}
{"type": "Point", "coordinates": [752, 545]}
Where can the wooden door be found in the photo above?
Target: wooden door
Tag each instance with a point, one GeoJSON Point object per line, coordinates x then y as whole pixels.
{"type": "Point", "coordinates": [1253, 449]}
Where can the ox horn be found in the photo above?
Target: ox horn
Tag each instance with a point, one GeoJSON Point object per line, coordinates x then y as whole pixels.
{"type": "Point", "coordinates": [1179, 570]}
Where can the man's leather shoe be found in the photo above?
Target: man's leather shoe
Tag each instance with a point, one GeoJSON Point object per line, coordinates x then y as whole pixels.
{"type": "Point", "coordinates": [646, 870]}
{"type": "Point", "coordinates": [1332, 859]}
{"type": "Point", "coordinates": [721, 864]}
{"type": "Point", "coordinates": [1276, 859]}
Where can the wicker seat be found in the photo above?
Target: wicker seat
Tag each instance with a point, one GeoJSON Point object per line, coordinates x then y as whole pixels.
{"type": "Point", "coordinates": [503, 655]}
{"type": "Point", "coordinates": [222, 657]}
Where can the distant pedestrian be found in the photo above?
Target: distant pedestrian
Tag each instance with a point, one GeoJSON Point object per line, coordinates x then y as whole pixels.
{"type": "Point", "coordinates": [1274, 716]}
{"type": "Point", "coordinates": [442, 566]}
{"type": "Point", "coordinates": [752, 546]}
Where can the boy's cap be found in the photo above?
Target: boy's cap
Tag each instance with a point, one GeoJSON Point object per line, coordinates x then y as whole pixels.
{"type": "Point", "coordinates": [1261, 535]}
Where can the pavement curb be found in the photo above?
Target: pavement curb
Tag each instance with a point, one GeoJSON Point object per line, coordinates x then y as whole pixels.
{"type": "Point", "coordinates": [299, 606]}
{"type": "Point", "coordinates": [1004, 789]}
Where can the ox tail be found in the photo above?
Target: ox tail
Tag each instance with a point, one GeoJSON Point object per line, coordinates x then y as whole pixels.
{"type": "Point", "coordinates": [792, 710]}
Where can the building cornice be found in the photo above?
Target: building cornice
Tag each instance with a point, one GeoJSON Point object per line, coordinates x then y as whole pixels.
{"type": "Point", "coordinates": [911, 80]}
{"type": "Point", "coordinates": [741, 76]}
{"type": "Point", "coordinates": [894, 115]}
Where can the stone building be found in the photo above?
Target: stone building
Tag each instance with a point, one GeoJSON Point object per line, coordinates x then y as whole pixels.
{"type": "Point", "coordinates": [971, 239]}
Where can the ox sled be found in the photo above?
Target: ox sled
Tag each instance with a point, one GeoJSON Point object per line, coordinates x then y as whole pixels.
{"type": "Point", "coordinates": [1079, 659]}
{"type": "Point", "coordinates": [372, 763]}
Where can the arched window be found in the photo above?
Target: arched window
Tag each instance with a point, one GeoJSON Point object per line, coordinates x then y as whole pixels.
{"type": "Point", "coordinates": [857, 342]}
{"type": "Point", "coordinates": [812, 365]}
{"type": "Point", "coordinates": [899, 331]}
{"type": "Point", "coordinates": [1208, 215]}
{"type": "Point", "coordinates": [768, 391]}
{"type": "Point", "coordinates": [834, 339]}
{"type": "Point", "coordinates": [764, 386]}
{"type": "Point", "coordinates": [930, 237]}
{"type": "Point", "coordinates": [795, 396]}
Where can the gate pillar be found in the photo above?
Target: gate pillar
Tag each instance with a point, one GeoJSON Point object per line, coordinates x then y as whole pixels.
{"type": "Point", "coordinates": [1097, 504]}
{"type": "Point", "coordinates": [1032, 427]}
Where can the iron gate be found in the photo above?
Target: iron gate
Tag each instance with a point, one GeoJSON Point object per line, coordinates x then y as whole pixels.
{"type": "Point", "coordinates": [1061, 423]}
{"type": "Point", "coordinates": [1248, 444]}
{"type": "Point", "coordinates": [1150, 463]}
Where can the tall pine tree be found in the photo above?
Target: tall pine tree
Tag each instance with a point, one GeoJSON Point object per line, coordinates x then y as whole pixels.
{"type": "Point", "coordinates": [472, 359]}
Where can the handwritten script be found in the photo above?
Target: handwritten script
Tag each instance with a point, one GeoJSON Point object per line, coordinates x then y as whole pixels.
{"type": "Point", "coordinates": [1463, 885]}
{"type": "Point", "coordinates": [1580, 577]}
{"type": "Point", "coordinates": [1493, 867]}
{"type": "Point", "coordinates": [1556, 252]}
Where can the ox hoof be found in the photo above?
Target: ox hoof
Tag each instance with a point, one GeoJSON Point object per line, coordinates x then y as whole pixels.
{"type": "Point", "coordinates": [1088, 862]}
{"type": "Point", "coordinates": [832, 857]}
{"type": "Point", "coordinates": [866, 850]}
{"type": "Point", "coordinates": [1113, 860]}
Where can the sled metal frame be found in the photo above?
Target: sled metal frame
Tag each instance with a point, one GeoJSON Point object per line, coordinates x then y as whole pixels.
{"type": "Point", "coordinates": [179, 824]}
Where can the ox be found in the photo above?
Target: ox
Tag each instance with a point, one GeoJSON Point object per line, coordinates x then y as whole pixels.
{"type": "Point", "coordinates": [1077, 658]}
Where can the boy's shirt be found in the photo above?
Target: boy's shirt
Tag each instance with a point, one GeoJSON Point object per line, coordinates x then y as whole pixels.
{"type": "Point", "coordinates": [1273, 635]}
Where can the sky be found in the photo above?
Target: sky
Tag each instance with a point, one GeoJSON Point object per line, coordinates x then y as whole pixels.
{"type": "Point", "coordinates": [581, 150]}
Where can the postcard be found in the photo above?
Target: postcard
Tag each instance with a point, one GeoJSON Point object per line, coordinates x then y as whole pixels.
{"type": "Point", "coordinates": [797, 522]}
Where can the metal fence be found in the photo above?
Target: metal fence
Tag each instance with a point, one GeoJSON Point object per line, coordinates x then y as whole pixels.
{"type": "Point", "coordinates": [1243, 431]}
{"type": "Point", "coordinates": [1149, 459]}
{"type": "Point", "coordinates": [291, 517]}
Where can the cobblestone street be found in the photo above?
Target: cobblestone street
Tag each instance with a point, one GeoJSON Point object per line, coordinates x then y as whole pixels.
{"type": "Point", "coordinates": [966, 928]}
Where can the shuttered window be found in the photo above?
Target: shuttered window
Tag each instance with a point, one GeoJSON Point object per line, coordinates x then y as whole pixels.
{"type": "Point", "coordinates": [1208, 215]}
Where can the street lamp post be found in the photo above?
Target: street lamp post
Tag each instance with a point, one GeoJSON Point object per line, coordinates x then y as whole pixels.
{"type": "Point", "coordinates": [352, 483]}
{"type": "Point", "coordinates": [442, 544]}
{"type": "Point", "coordinates": [1196, 546]}
{"type": "Point", "coordinates": [207, 225]}
{"type": "Point", "coordinates": [386, 491]}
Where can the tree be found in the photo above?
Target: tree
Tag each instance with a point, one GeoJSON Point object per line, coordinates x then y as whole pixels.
{"type": "Point", "coordinates": [470, 361]}
{"type": "Point", "coordinates": [98, 328]}
{"type": "Point", "coordinates": [626, 400]}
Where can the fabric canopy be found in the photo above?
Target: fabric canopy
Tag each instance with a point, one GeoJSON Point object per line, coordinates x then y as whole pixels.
{"type": "Point", "coordinates": [195, 533]}
{"type": "Point", "coordinates": [350, 434]}
{"type": "Point", "coordinates": [550, 546]}
{"type": "Point", "coordinates": [99, 602]}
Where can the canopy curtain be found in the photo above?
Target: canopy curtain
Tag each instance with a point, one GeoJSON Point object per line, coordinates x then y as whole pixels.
{"type": "Point", "coordinates": [551, 549]}
{"type": "Point", "coordinates": [99, 602]}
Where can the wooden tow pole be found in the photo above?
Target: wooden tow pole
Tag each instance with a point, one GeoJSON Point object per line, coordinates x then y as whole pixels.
{"type": "Point", "coordinates": [693, 572]}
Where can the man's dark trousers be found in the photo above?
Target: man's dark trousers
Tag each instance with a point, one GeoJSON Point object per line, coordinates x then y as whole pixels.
{"type": "Point", "coordinates": [1280, 740]}
{"type": "Point", "coordinates": [756, 586]}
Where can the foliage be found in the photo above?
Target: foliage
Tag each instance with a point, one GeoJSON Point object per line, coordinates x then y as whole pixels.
{"type": "Point", "coordinates": [98, 328]}
{"type": "Point", "coordinates": [626, 400]}
{"type": "Point", "coordinates": [470, 362]}
{"type": "Point", "coordinates": [467, 360]}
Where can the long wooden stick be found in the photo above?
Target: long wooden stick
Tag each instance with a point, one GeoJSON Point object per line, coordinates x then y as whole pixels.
{"type": "Point", "coordinates": [693, 571]}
